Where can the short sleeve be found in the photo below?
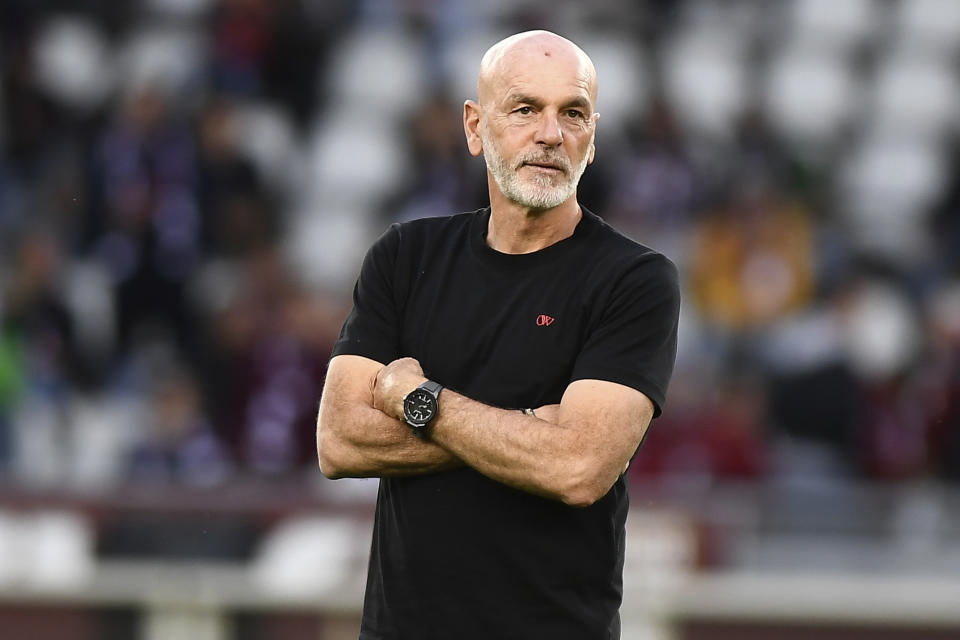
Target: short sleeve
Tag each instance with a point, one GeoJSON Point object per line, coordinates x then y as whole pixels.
{"type": "Point", "coordinates": [634, 341]}
{"type": "Point", "coordinates": [372, 329]}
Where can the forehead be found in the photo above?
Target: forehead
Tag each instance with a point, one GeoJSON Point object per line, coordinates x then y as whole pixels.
{"type": "Point", "coordinates": [543, 71]}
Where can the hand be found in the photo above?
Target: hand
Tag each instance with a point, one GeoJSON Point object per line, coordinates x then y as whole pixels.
{"type": "Point", "coordinates": [395, 381]}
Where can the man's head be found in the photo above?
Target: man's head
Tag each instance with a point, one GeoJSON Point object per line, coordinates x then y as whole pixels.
{"type": "Point", "coordinates": [534, 118]}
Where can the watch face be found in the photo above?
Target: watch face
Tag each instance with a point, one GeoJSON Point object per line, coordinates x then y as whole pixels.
{"type": "Point", "coordinates": [419, 407]}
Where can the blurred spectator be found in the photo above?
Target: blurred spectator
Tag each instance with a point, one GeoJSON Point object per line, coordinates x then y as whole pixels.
{"type": "Point", "coordinates": [241, 36]}
{"type": "Point", "coordinates": [884, 347]}
{"type": "Point", "coordinates": [144, 218]}
{"type": "Point", "coordinates": [446, 179]}
{"type": "Point", "coordinates": [40, 363]}
{"type": "Point", "coordinates": [940, 379]}
{"type": "Point", "coordinates": [33, 130]}
{"type": "Point", "coordinates": [230, 192]}
{"type": "Point", "coordinates": [655, 184]}
{"type": "Point", "coordinates": [269, 349]}
{"type": "Point", "coordinates": [713, 433]}
{"type": "Point", "coordinates": [815, 401]}
{"type": "Point", "coordinates": [117, 151]}
{"type": "Point", "coordinates": [751, 261]}
{"type": "Point", "coordinates": [946, 220]}
{"type": "Point", "coordinates": [35, 318]}
{"type": "Point", "coordinates": [178, 445]}
{"type": "Point", "coordinates": [302, 35]}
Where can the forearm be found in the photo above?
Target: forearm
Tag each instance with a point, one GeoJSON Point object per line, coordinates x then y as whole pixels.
{"type": "Point", "coordinates": [362, 442]}
{"type": "Point", "coordinates": [575, 456]}
{"type": "Point", "coordinates": [525, 452]}
{"type": "Point", "coordinates": [354, 439]}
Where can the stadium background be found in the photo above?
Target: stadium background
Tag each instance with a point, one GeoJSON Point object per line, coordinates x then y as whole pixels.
{"type": "Point", "coordinates": [186, 191]}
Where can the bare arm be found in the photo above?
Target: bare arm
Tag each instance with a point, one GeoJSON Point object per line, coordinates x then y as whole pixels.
{"type": "Point", "coordinates": [354, 439]}
{"type": "Point", "coordinates": [575, 457]}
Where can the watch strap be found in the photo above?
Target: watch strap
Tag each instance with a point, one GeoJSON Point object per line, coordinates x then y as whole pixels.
{"type": "Point", "coordinates": [433, 387]}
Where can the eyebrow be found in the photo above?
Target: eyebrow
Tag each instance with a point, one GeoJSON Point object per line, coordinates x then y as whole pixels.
{"type": "Point", "coordinates": [579, 102]}
{"type": "Point", "coordinates": [575, 101]}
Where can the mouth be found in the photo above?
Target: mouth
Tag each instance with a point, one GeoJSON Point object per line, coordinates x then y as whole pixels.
{"type": "Point", "coordinates": [549, 167]}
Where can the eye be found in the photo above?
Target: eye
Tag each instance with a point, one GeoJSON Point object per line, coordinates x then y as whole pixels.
{"type": "Point", "coordinates": [576, 114]}
{"type": "Point", "coordinates": [524, 111]}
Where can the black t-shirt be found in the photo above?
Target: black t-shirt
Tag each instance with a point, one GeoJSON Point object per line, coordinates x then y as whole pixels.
{"type": "Point", "coordinates": [457, 555]}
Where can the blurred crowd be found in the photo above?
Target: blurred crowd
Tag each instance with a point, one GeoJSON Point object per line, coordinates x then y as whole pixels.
{"type": "Point", "coordinates": [187, 188]}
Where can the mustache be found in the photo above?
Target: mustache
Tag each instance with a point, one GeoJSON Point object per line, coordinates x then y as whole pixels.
{"type": "Point", "coordinates": [551, 159]}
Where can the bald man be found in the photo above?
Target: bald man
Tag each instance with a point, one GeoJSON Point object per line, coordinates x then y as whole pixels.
{"type": "Point", "coordinates": [498, 372]}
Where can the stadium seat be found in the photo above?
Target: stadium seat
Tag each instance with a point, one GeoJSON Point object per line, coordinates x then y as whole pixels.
{"type": "Point", "coordinates": [929, 25]}
{"type": "Point", "coordinates": [837, 25]}
{"type": "Point", "coordinates": [915, 95]}
{"type": "Point", "coordinates": [378, 69]}
{"type": "Point", "coordinates": [355, 157]}
{"type": "Point", "coordinates": [324, 243]}
{"type": "Point", "coordinates": [265, 136]}
{"type": "Point", "coordinates": [705, 79]}
{"type": "Point", "coordinates": [306, 555]}
{"type": "Point", "coordinates": [886, 188]}
{"type": "Point", "coordinates": [73, 62]}
{"type": "Point", "coordinates": [809, 93]}
{"type": "Point", "coordinates": [165, 58]}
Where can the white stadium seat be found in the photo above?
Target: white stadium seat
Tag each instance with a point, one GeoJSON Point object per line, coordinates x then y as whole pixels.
{"type": "Point", "coordinates": [73, 62]}
{"type": "Point", "coordinates": [379, 69]}
{"type": "Point", "coordinates": [887, 186]}
{"type": "Point", "coordinates": [915, 95]}
{"type": "Point", "coordinates": [809, 93]}
{"type": "Point", "coordinates": [706, 79]}
{"type": "Point", "coordinates": [930, 25]}
{"type": "Point", "coordinates": [355, 156]}
{"type": "Point", "coordinates": [828, 23]}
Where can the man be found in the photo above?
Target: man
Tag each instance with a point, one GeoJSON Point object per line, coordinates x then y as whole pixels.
{"type": "Point", "coordinates": [495, 520]}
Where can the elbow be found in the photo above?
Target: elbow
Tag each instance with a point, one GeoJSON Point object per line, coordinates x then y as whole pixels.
{"type": "Point", "coordinates": [330, 470]}
{"type": "Point", "coordinates": [328, 466]}
{"type": "Point", "coordinates": [584, 486]}
{"type": "Point", "coordinates": [327, 456]}
{"type": "Point", "coordinates": [581, 497]}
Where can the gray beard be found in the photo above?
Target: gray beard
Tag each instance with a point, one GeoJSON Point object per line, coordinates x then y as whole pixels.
{"type": "Point", "coordinates": [537, 193]}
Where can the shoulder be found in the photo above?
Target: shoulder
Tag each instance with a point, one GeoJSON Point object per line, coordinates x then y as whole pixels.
{"type": "Point", "coordinates": [439, 226]}
{"type": "Point", "coordinates": [414, 236]}
{"type": "Point", "coordinates": [623, 257]}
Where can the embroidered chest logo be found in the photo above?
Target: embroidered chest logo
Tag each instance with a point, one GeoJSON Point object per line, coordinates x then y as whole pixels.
{"type": "Point", "coordinates": [544, 320]}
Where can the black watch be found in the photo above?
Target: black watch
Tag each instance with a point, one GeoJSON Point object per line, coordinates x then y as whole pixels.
{"type": "Point", "coordinates": [421, 405]}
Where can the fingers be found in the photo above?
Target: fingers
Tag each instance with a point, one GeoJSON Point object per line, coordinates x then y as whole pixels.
{"type": "Point", "coordinates": [393, 382]}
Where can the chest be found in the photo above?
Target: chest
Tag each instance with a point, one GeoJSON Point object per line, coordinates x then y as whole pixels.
{"type": "Point", "coordinates": [508, 339]}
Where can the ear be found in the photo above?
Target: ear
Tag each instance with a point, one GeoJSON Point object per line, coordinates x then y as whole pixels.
{"type": "Point", "coordinates": [471, 127]}
{"type": "Point", "coordinates": [592, 151]}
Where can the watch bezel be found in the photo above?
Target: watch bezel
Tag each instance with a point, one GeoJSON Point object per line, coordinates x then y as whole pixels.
{"type": "Point", "coordinates": [428, 398]}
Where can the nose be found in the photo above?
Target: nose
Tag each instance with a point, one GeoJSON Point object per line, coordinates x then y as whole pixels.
{"type": "Point", "coordinates": [549, 132]}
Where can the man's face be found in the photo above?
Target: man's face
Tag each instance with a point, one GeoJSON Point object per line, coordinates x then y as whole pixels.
{"type": "Point", "coordinates": [538, 129]}
{"type": "Point", "coordinates": [536, 179]}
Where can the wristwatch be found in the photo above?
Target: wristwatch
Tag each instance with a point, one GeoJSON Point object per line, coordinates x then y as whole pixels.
{"type": "Point", "coordinates": [420, 406]}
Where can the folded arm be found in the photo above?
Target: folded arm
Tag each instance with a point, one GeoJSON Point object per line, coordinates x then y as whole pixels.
{"type": "Point", "coordinates": [354, 439]}
{"type": "Point", "coordinates": [573, 453]}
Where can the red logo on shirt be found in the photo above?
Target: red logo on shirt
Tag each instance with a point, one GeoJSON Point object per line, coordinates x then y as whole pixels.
{"type": "Point", "coordinates": [544, 320]}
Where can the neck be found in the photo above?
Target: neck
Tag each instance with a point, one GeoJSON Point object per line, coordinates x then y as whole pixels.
{"type": "Point", "coordinates": [516, 229]}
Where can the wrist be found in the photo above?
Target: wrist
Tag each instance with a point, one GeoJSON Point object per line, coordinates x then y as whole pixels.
{"type": "Point", "coordinates": [421, 407]}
